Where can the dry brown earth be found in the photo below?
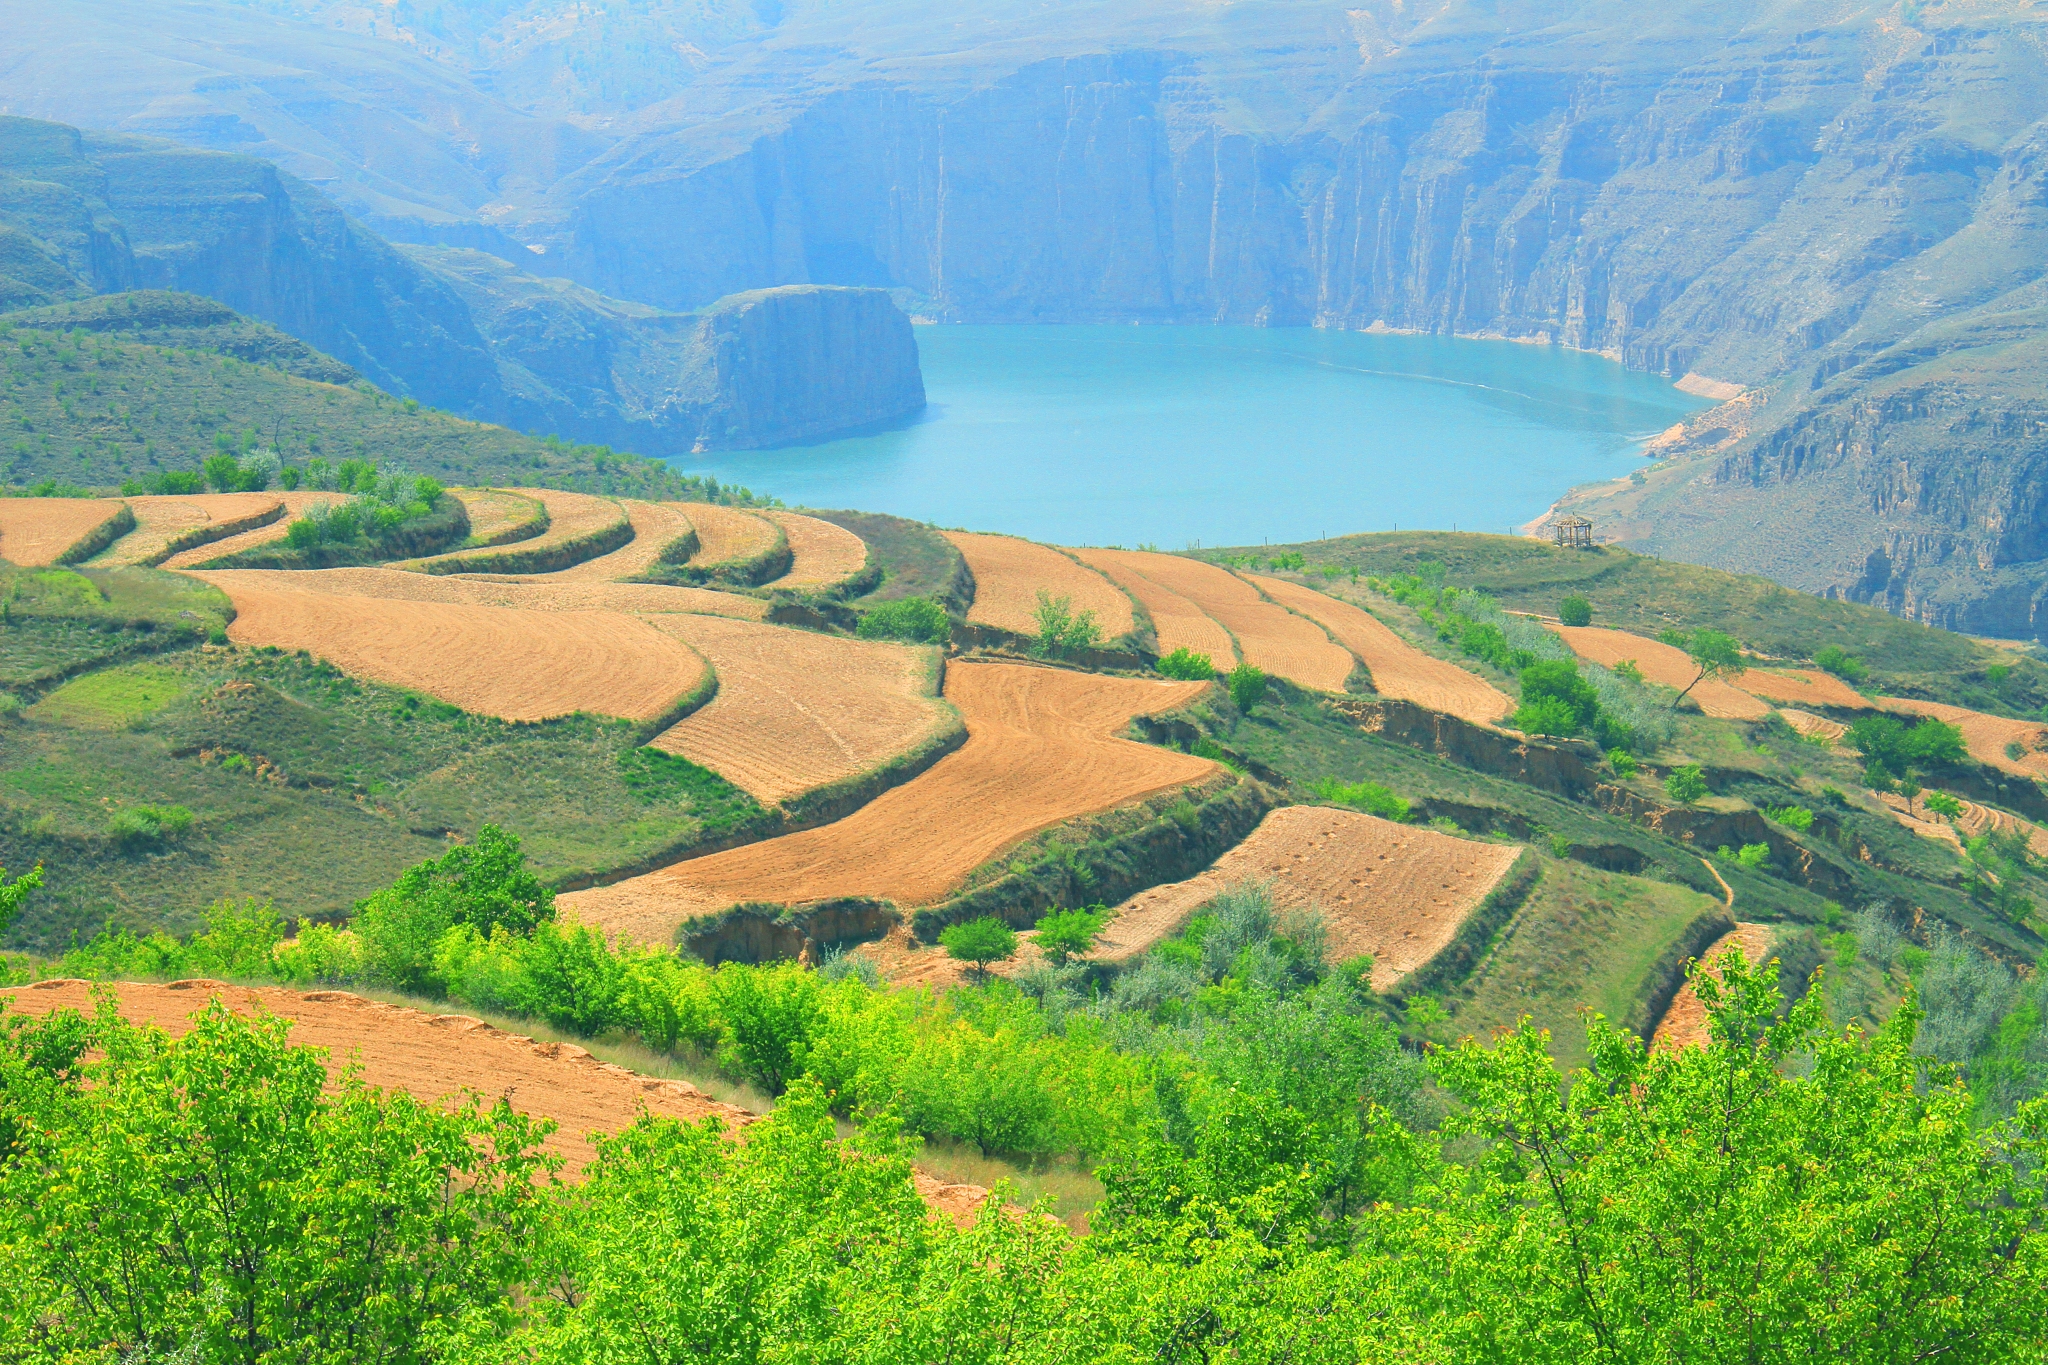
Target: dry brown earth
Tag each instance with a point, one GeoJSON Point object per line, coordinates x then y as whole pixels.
{"type": "Point", "coordinates": [1010, 573]}
{"type": "Point", "coordinates": [1986, 736]}
{"type": "Point", "coordinates": [796, 709]}
{"type": "Point", "coordinates": [727, 534]}
{"type": "Point", "coordinates": [1806, 723]}
{"type": "Point", "coordinates": [656, 525]}
{"type": "Point", "coordinates": [1268, 636]}
{"type": "Point", "coordinates": [497, 661]}
{"type": "Point", "coordinates": [1398, 668]}
{"type": "Point", "coordinates": [1665, 665]}
{"type": "Point", "coordinates": [36, 531]}
{"type": "Point", "coordinates": [821, 553]}
{"type": "Point", "coordinates": [1041, 748]}
{"type": "Point", "coordinates": [1801, 687]}
{"type": "Point", "coordinates": [571, 517]}
{"type": "Point", "coordinates": [528, 592]}
{"type": "Point", "coordinates": [492, 511]}
{"type": "Point", "coordinates": [437, 1058]}
{"type": "Point", "coordinates": [1685, 1023]}
{"type": "Point", "coordinates": [1178, 623]}
{"type": "Point", "coordinates": [1921, 820]}
{"type": "Point", "coordinates": [1395, 891]}
{"type": "Point", "coordinates": [159, 520]}
{"type": "Point", "coordinates": [296, 505]}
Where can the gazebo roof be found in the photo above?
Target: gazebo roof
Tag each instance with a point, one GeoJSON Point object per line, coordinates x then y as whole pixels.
{"type": "Point", "coordinates": [1569, 519]}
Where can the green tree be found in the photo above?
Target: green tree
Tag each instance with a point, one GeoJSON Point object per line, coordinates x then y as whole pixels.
{"type": "Point", "coordinates": [1556, 700]}
{"type": "Point", "coordinates": [979, 941]}
{"type": "Point", "coordinates": [1685, 784]}
{"type": "Point", "coordinates": [1713, 653]}
{"type": "Point", "coordinates": [1575, 611]}
{"type": "Point", "coordinates": [14, 894]}
{"type": "Point", "coordinates": [1247, 687]}
{"type": "Point", "coordinates": [1840, 662]}
{"type": "Point", "coordinates": [1890, 747]}
{"type": "Point", "coordinates": [917, 619]}
{"type": "Point", "coordinates": [1062, 630]}
{"type": "Point", "coordinates": [1187, 665]}
{"type": "Point", "coordinates": [1066, 934]}
{"type": "Point", "coordinates": [770, 1017]}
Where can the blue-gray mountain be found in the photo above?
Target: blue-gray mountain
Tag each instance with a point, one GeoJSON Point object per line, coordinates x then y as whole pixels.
{"type": "Point", "coordinates": [89, 213]}
{"type": "Point", "coordinates": [1839, 202]}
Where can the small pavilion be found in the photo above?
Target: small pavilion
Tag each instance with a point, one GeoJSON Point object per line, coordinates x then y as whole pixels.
{"type": "Point", "coordinates": [1572, 533]}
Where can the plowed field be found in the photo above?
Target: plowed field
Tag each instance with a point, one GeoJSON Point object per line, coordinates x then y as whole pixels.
{"type": "Point", "coordinates": [1663, 664]}
{"type": "Point", "coordinates": [1801, 687]}
{"type": "Point", "coordinates": [1398, 668]}
{"type": "Point", "coordinates": [1010, 573]}
{"type": "Point", "coordinates": [161, 520]}
{"type": "Point", "coordinates": [726, 534]}
{"type": "Point", "coordinates": [296, 505]}
{"type": "Point", "coordinates": [1178, 623]}
{"type": "Point", "coordinates": [493, 512]}
{"type": "Point", "coordinates": [1041, 748]}
{"type": "Point", "coordinates": [1685, 1023]}
{"type": "Point", "coordinates": [497, 661]}
{"type": "Point", "coordinates": [1806, 723]}
{"type": "Point", "coordinates": [1269, 636]}
{"type": "Point", "coordinates": [436, 1057]}
{"type": "Point", "coordinates": [796, 709]}
{"type": "Point", "coordinates": [1391, 890]}
{"type": "Point", "coordinates": [35, 531]}
{"type": "Point", "coordinates": [821, 554]}
{"type": "Point", "coordinates": [1986, 736]}
{"type": "Point", "coordinates": [1923, 821]}
{"type": "Point", "coordinates": [527, 592]}
{"type": "Point", "coordinates": [571, 517]}
{"type": "Point", "coordinates": [655, 526]}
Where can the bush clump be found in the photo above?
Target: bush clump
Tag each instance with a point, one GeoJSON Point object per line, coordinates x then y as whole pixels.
{"type": "Point", "coordinates": [1187, 665]}
{"type": "Point", "coordinates": [139, 826]}
{"type": "Point", "coordinates": [1062, 630]}
{"type": "Point", "coordinates": [1840, 662]}
{"type": "Point", "coordinates": [1575, 611]}
{"type": "Point", "coordinates": [1247, 687]}
{"type": "Point", "coordinates": [918, 620]}
{"type": "Point", "coordinates": [979, 941]}
{"type": "Point", "coordinates": [1685, 784]}
{"type": "Point", "coordinates": [1791, 817]}
{"type": "Point", "coordinates": [1892, 750]}
{"type": "Point", "coordinates": [1369, 797]}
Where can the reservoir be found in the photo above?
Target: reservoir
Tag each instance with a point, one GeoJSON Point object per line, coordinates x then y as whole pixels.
{"type": "Point", "coordinates": [1172, 436]}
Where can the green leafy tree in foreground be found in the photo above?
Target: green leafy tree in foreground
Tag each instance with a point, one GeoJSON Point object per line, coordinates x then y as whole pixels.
{"type": "Point", "coordinates": [1066, 934]}
{"type": "Point", "coordinates": [483, 885]}
{"type": "Point", "coordinates": [1247, 684]}
{"type": "Point", "coordinates": [979, 941]}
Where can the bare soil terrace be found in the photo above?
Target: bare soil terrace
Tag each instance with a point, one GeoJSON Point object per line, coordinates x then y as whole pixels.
{"type": "Point", "coordinates": [1177, 622]}
{"type": "Point", "coordinates": [37, 531]}
{"type": "Point", "coordinates": [1685, 1022]}
{"type": "Point", "coordinates": [296, 505]}
{"type": "Point", "coordinates": [821, 553]}
{"type": "Point", "coordinates": [656, 525]}
{"type": "Point", "coordinates": [1010, 573]}
{"type": "Point", "coordinates": [159, 520]}
{"type": "Point", "coordinates": [525, 592]}
{"type": "Point", "coordinates": [1042, 747]}
{"type": "Point", "coordinates": [1268, 635]}
{"type": "Point", "coordinates": [727, 534]}
{"type": "Point", "coordinates": [571, 517]}
{"type": "Point", "coordinates": [1665, 665]}
{"type": "Point", "coordinates": [1986, 737]}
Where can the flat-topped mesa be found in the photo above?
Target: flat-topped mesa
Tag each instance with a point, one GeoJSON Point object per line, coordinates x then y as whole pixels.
{"type": "Point", "coordinates": [797, 362]}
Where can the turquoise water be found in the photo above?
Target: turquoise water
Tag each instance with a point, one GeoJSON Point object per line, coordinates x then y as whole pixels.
{"type": "Point", "coordinates": [1227, 435]}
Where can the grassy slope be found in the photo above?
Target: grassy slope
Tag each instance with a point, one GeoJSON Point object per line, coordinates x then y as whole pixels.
{"type": "Point", "coordinates": [1647, 595]}
{"type": "Point", "coordinates": [916, 560]}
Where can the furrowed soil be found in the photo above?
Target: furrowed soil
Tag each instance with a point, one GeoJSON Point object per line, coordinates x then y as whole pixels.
{"type": "Point", "coordinates": [655, 526]}
{"type": "Point", "coordinates": [1685, 1023]}
{"type": "Point", "coordinates": [1398, 668]}
{"type": "Point", "coordinates": [796, 709]}
{"type": "Point", "coordinates": [437, 1058]}
{"type": "Point", "coordinates": [571, 517]}
{"type": "Point", "coordinates": [1801, 687]}
{"type": "Point", "coordinates": [496, 661]}
{"type": "Point", "coordinates": [1041, 748]}
{"type": "Point", "coordinates": [726, 534]}
{"type": "Point", "coordinates": [1806, 723]}
{"type": "Point", "coordinates": [159, 520]}
{"type": "Point", "coordinates": [1665, 665]}
{"type": "Point", "coordinates": [296, 505]}
{"type": "Point", "coordinates": [525, 592]}
{"type": "Point", "coordinates": [1268, 636]}
{"type": "Point", "coordinates": [1178, 623]}
{"type": "Point", "coordinates": [1010, 573]}
{"type": "Point", "coordinates": [493, 512]}
{"type": "Point", "coordinates": [1986, 736]}
{"type": "Point", "coordinates": [1395, 891]}
{"type": "Point", "coordinates": [36, 531]}
{"type": "Point", "coordinates": [821, 554]}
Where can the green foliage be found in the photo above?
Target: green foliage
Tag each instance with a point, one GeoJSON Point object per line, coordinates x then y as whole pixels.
{"type": "Point", "coordinates": [1061, 630]}
{"type": "Point", "coordinates": [146, 826]}
{"type": "Point", "coordinates": [919, 620]}
{"type": "Point", "coordinates": [481, 886]}
{"type": "Point", "coordinates": [1792, 817]}
{"type": "Point", "coordinates": [1715, 654]}
{"type": "Point", "coordinates": [14, 894]}
{"type": "Point", "coordinates": [1369, 797]}
{"type": "Point", "coordinates": [1545, 716]}
{"type": "Point", "coordinates": [1840, 662]}
{"type": "Point", "coordinates": [1685, 784]}
{"type": "Point", "coordinates": [1754, 856]}
{"type": "Point", "coordinates": [1944, 805]}
{"type": "Point", "coordinates": [1891, 748]}
{"type": "Point", "coordinates": [654, 777]}
{"type": "Point", "coordinates": [980, 941]}
{"type": "Point", "coordinates": [1067, 934]}
{"type": "Point", "coordinates": [1187, 665]}
{"type": "Point", "coordinates": [1575, 611]}
{"type": "Point", "coordinates": [1555, 699]}
{"type": "Point", "coordinates": [1623, 762]}
{"type": "Point", "coordinates": [1247, 685]}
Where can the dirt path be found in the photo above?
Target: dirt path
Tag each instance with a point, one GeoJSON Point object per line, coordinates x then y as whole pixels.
{"type": "Point", "coordinates": [497, 661]}
{"type": "Point", "coordinates": [727, 534]}
{"type": "Point", "coordinates": [1178, 623]}
{"type": "Point", "coordinates": [1398, 668]}
{"type": "Point", "coordinates": [436, 1057]}
{"type": "Point", "coordinates": [37, 531]}
{"type": "Point", "coordinates": [526, 592]}
{"type": "Point", "coordinates": [1685, 1023]}
{"type": "Point", "coordinates": [656, 525]}
{"type": "Point", "coordinates": [1727, 891]}
{"type": "Point", "coordinates": [1391, 890]}
{"type": "Point", "coordinates": [796, 709]}
{"type": "Point", "coordinates": [1986, 736]}
{"type": "Point", "coordinates": [1009, 573]}
{"type": "Point", "coordinates": [821, 553]}
{"type": "Point", "coordinates": [1268, 636]}
{"type": "Point", "coordinates": [159, 520]}
{"type": "Point", "coordinates": [296, 505]}
{"type": "Point", "coordinates": [1662, 664]}
{"type": "Point", "coordinates": [1041, 748]}
{"type": "Point", "coordinates": [571, 517]}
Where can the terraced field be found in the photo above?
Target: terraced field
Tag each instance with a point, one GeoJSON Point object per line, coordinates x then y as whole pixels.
{"type": "Point", "coordinates": [727, 535]}
{"type": "Point", "coordinates": [656, 526]}
{"type": "Point", "coordinates": [821, 553]}
{"type": "Point", "coordinates": [1801, 687]}
{"type": "Point", "coordinates": [1178, 623]}
{"type": "Point", "coordinates": [796, 710]}
{"type": "Point", "coordinates": [517, 664]}
{"type": "Point", "coordinates": [494, 514]}
{"type": "Point", "coordinates": [160, 520]}
{"type": "Point", "coordinates": [526, 592]}
{"type": "Point", "coordinates": [1398, 668]}
{"type": "Point", "coordinates": [1268, 636]}
{"type": "Point", "coordinates": [573, 519]}
{"type": "Point", "coordinates": [1041, 748]}
{"type": "Point", "coordinates": [296, 505]}
{"type": "Point", "coordinates": [1009, 574]}
{"type": "Point", "coordinates": [1685, 1022]}
{"type": "Point", "coordinates": [1394, 891]}
{"type": "Point", "coordinates": [1665, 665]}
{"type": "Point", "coordinates": [1989, 738]}
{"type": "Point", "coordinates": [37, 531]}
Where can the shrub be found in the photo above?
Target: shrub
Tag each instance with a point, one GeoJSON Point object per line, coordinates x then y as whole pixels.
{"type": "Point", "coordinates": [919, 620]}
{"type": "Point", "coordinates": [1844, 665]}
{"type": "Point", "coordinates": [1941, 803]}
{"type": "Point", "coordinates": [1623, 762]}
{"type": "Point", "coordinates": [1187, 665]}
{"type": "Point", "coordinates": [141, 825]}
{"type": "Point", "coordinates": [1247, 687]}
{"type": "Point", "coordinates": [1545, 716]}
{"type": "Point", "coordinates": [1685, 785]}
{"type": "Point", "coordinates": [1792, 817]}
{"type": "Point", "coordinates": [1834, 795]}
{"type": "Point", "coordinates": [1575, 611]}
{"type": "Point", "coordinates": [1062, 630]}
{"type": "Point", "coordinates": [1558, 680]}
{"type": "Point", "coordinates": [1890, 748]}
{"type": "Point", "coordinates": [1369, 797]}
{"type": "Point", "coordinates": [979, 941]}
{"type": "Point", "coordinates": [1068, 934]}
{"type": "Point", "coordinates": [771, 1016]}
{"type": "Point", "coordinates": [1754, 856]}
